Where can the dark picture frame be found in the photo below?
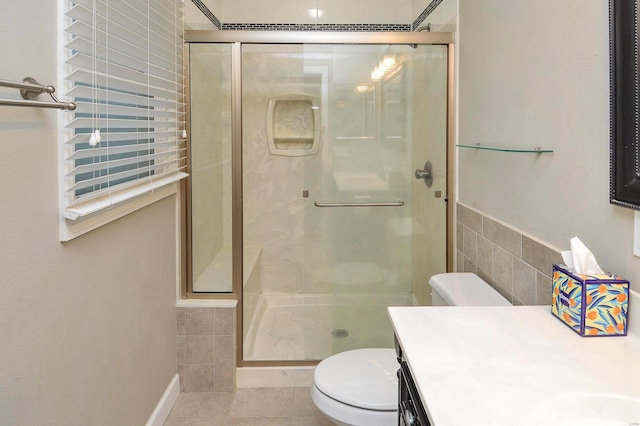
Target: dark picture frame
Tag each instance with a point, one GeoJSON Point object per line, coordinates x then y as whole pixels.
{"type": "Point", "coordinates": [625, 154]}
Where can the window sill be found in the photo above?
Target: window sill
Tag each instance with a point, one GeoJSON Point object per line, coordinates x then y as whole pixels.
{"type": "Point", "coordinates": [84, 217]}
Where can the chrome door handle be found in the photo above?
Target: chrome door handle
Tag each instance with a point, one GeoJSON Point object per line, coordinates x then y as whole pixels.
{"type": "Point", "coordinates": [421, 174]}
{"type": "Point", "coordinates": [425, 174]}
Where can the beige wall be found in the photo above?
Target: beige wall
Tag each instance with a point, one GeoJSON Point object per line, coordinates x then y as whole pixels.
{"type": "Point", "coordinates": [442, 18]}
{"type": "Point", "coordinates": [536, 74]}
{"type": "Point", "coordinates": [335, 12]}
{"type": "Point", "coordinates": [194, 19]}
{"type": "Point", "coordinates": [296, 11]}
{"type": "Point", "coordinates": [88, 327]}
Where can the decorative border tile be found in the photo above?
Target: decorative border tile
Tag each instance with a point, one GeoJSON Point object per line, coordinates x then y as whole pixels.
{"type": "Point", "coordinates": [317, 27]}
{"type": "Point", "coordinates": [204, 9]}
{"type": "Point", "coordinates": [430, 8]}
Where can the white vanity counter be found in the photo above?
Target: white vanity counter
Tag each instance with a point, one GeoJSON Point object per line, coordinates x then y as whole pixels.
{"type": "Point", "coordinates": [517, 366]}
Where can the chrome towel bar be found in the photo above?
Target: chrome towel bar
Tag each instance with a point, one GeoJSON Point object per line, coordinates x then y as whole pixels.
{"type": "Point", "coordinates": [29, 89]}
{"type": "Point", "coordinates": [392, 203]}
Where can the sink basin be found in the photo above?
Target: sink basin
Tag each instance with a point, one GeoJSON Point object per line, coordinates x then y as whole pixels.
{"type": "Point", "coordinates": [587, 409]}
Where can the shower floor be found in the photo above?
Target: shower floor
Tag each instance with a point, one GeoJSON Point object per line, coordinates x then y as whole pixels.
{"type": "Point", "coordinates": [315, 326]}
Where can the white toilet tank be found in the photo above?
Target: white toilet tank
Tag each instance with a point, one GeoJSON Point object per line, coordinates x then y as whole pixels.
{"type": "Point", "coordinates": [463, 289]}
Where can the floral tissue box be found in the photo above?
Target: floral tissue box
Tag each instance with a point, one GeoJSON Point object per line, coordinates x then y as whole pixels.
{"type": "Point", "coordinates": [591, 305]}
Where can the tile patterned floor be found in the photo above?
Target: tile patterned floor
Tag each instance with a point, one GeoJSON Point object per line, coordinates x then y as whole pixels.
{"type": "Point", "coordinates": [247, 406]}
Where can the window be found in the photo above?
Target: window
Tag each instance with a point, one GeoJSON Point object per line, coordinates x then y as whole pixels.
{"type": "Point", "coordinates": [124, 144]}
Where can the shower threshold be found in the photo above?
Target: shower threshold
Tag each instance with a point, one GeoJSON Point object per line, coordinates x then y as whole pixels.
{"type": "Point", "coordinates": [315, 326]}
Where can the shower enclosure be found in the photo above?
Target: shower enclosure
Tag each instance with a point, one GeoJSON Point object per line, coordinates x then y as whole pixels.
{"type": "Point", "coordinates": [319, 183]}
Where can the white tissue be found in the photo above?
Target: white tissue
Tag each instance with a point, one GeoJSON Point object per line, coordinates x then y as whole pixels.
{"type": "Point", "coordinates": [580, 259]}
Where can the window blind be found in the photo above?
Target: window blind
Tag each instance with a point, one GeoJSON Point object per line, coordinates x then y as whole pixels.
{"type": "Point", "coordinates": [124, 63]}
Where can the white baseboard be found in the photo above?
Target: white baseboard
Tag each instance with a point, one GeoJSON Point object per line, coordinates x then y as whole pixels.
{"type": "Point", "coordinates": [160, 414]}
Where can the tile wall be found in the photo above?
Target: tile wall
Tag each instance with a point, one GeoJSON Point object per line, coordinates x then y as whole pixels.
{"type": "Point", "coordinates": [206, 349]}
{"type": "Point", "coordinates": [515, 265]}
{"type": "Point", "coordinates": [279, 228]}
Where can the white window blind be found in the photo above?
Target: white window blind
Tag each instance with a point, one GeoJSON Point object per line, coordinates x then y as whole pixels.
{"type": "Point", "coordinates": [125, 73]}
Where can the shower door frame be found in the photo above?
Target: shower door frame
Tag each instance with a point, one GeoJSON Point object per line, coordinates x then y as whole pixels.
{"type": "Point", "coordinates": [237, 39]}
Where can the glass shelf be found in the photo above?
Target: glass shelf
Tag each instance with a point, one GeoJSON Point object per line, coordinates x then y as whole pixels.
{"type": "Point", "coordinates": [538, 150]}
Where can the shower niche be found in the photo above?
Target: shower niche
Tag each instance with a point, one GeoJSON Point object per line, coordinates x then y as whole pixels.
{"type": "Point", "coordinates": [293, 125]}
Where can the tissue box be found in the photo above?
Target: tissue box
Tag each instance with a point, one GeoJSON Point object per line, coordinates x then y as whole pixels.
{"type": "Point", "coordinates": [591, 305]}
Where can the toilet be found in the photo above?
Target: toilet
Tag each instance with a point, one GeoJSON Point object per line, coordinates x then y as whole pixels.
{"type": "Point", "coordinates": [360, 387]}
{"type": "Point", "coordinates": [463, 289]}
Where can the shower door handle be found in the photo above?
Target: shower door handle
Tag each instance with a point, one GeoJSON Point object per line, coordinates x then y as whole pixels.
{"type": "Point", "coordinates": [392, 203]}
{"type": "Point", "coordinates": [425, 174]}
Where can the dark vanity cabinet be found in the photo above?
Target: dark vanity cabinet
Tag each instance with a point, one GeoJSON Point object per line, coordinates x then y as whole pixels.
{"type": "Point", "coordinates": [411, 411]}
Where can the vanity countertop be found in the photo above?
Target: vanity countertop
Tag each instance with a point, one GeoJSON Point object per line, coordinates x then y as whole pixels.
{"type": "Point", "coordinates": [508, 366]}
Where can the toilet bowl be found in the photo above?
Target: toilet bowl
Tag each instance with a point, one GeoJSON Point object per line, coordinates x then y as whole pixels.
{"type": "Point", "coordinates": [360, 387]}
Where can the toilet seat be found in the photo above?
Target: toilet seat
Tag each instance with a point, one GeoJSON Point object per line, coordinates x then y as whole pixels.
{"type": "Point", "coordinates": [363, 378]}
{"type": "Point", "coordinates": [358, 387]}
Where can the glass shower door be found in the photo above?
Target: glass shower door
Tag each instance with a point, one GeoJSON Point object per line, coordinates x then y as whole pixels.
{"type": "Point", "coordinates": [333, 216]}
{"type": "Point", "coordinates": [210, 236]}
{"type": "Point", "coordinates": [374, 234]}
{"type": "Point", "coordinates": [427, 98]}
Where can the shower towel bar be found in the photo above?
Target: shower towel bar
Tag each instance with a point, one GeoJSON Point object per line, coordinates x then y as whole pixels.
{"type": "Point", "coordinates": [394, 203]}
{"type": "Point", "coordinates": [29, 89]}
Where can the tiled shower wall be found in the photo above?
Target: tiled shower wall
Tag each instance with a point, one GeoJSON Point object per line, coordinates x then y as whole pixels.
{"type": "Point", "coordinates": [515, 265]}
{"type": "Point", "coordinates": [206, 349]}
